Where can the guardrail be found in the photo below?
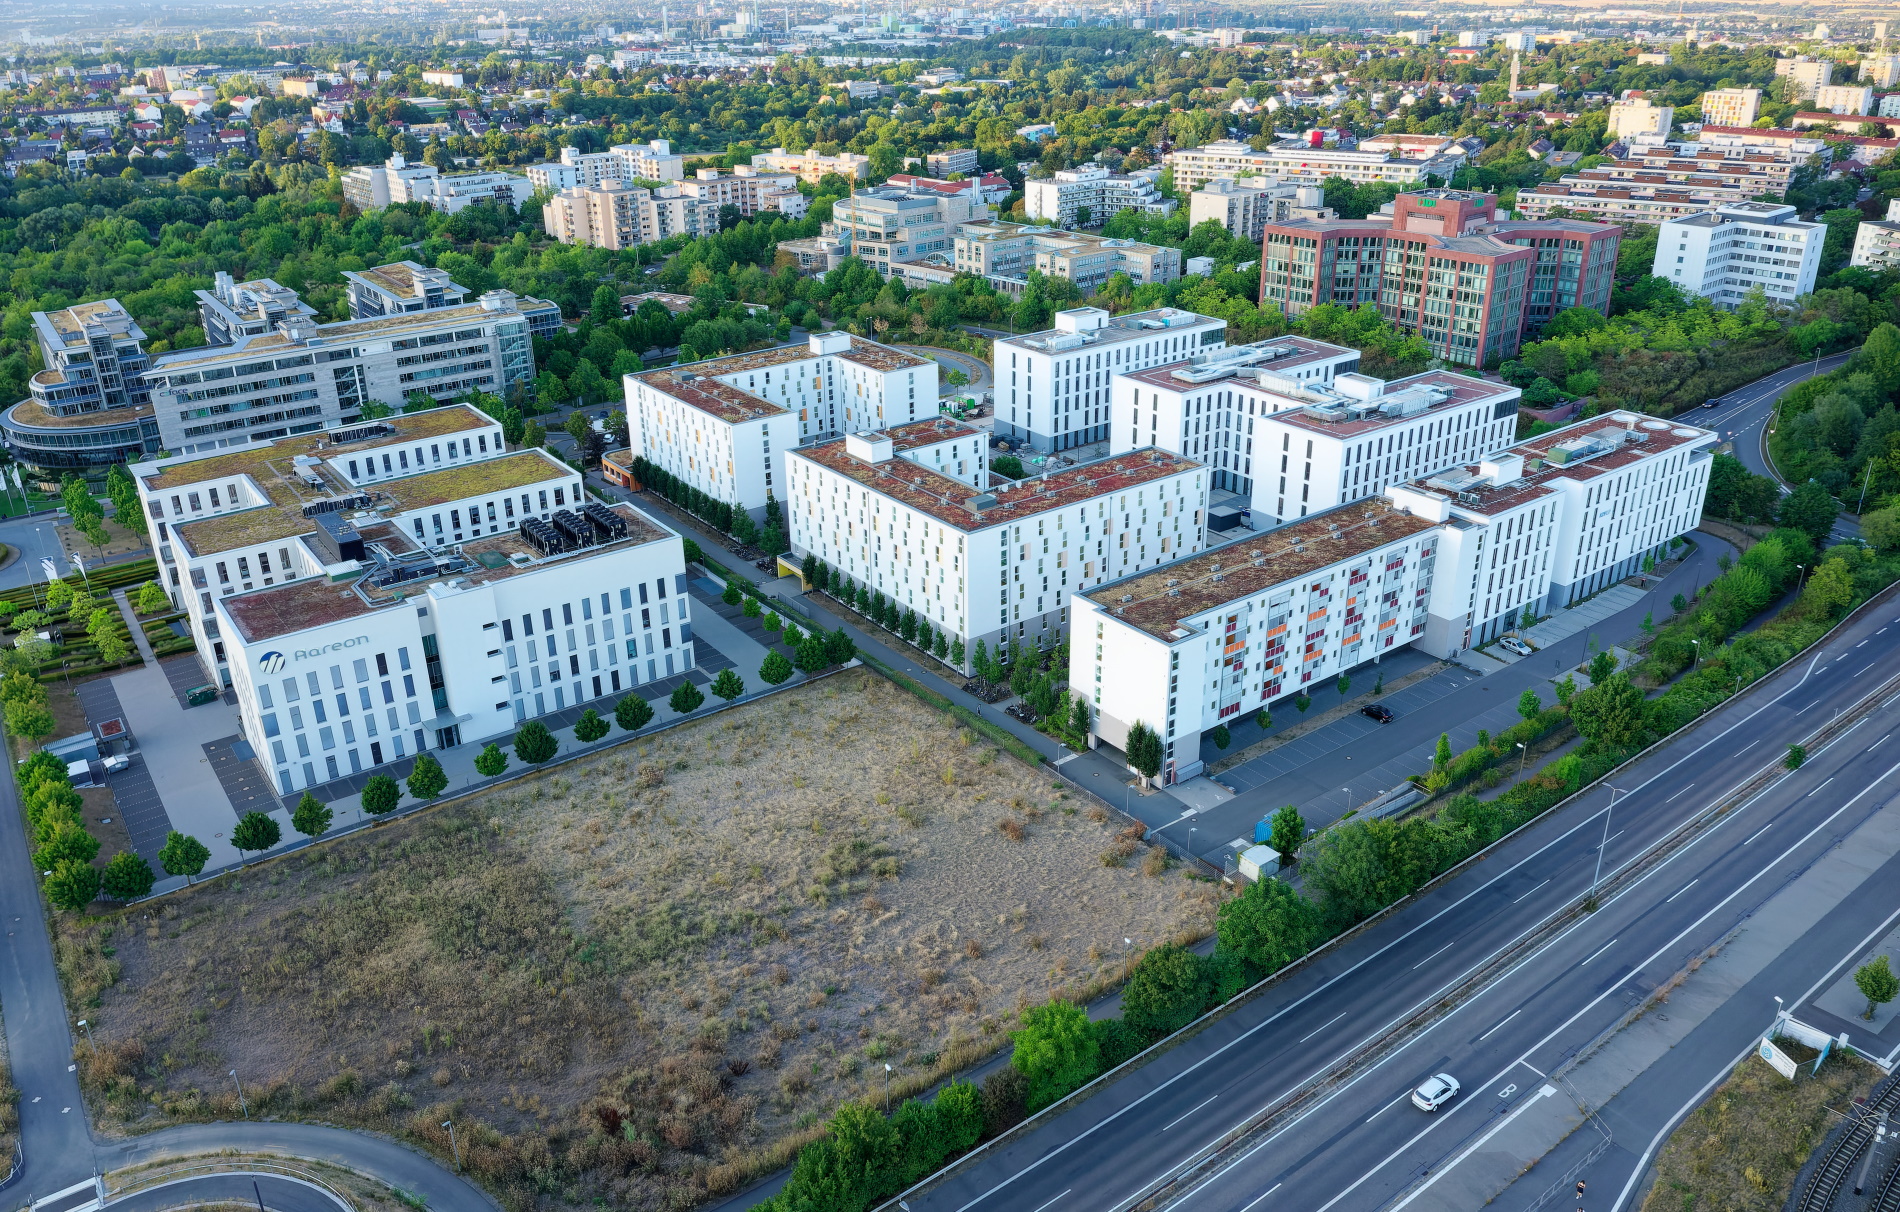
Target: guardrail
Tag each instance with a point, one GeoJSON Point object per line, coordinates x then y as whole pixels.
{"type": "Point", "coordinates": [184, 1171]}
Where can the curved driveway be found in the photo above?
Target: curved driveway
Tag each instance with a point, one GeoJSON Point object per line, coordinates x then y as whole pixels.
{"type": "Point", "coordinates": [1742, 415]}
{"type": "Point", "coordinates": [977, 370]}
{"type": "Point", "coordinates": [274, 1191]}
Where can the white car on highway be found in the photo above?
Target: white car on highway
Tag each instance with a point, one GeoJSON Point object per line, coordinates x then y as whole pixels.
{"type": "Point", "coordinates": [1436, 1092]}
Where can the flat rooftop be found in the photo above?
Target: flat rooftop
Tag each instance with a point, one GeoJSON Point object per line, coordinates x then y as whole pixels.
{"type": "Point", "coordinates": [266, 614]}
{"type": "Point", "coordinates": [29, 415]}
{"type": "Point", "coordinates": [696, 383]}
{"type": "Point", "coordinates": [331, 335]}
{"type": "Point", "coordinates": [1130, 327]}
{"type": "Point", "coordinates": [1459, 390]}
{"type": "Point", "coordinates": [948, 500]}
{"type": "Point", "coordinates": [1541, 470]}
{"type": "Point", "coordinates": [1305, 352]}
{"type": "Point", "coordinates": [1162, 597]}
{"type": "Point", "coordinates": [928, 432]}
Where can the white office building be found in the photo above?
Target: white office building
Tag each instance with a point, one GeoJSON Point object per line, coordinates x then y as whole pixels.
{"type": "Point", "coordinates": [374, 186]}
{"type": "Point", "coordinates": [397, 542]}
{"type": "Point", "coordinates": [1638, 117]}
{"type": "Point", "coordinates": [1808, 74]}
{"type": "Point", "coordinates": [1245, 205]}
{"type": "Point", "coordinates": [1096, 191]}
{"type": "Point", "coordinates": [753, 192]}
{"type": "Point", "coordinates": [1724, 253]}
{"type": "Point", "coordinates": [303, 376]}
{"type": "Point", "coordinates": [989, 565]}
{"type": "Point", "coordinates": [1052, 387]}
{"type": "Point", "coordinates": [576, 169]}
{"type": "Point", "coordinates": [1302, 162]}
{"type": "Point", "coordinates": [1292, 427]}
{"type": "Point", "coordinates": [232, 309]}
{"type": "Point", "coordinates": [1442, 563]}
{"type": "Point", "coordinates": [723, 425]}
{"type": "Point", "coordinates": [370, 187]}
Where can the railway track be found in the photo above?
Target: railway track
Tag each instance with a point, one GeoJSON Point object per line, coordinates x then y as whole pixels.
{"type": "Point", "coordinates": [1845, 1149]}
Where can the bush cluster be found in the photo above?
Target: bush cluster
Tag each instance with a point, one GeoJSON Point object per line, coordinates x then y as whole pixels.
{"type": "Point", "coordinates": [61, 844]}
{"type": "Point", "coordinates": [723, 516]}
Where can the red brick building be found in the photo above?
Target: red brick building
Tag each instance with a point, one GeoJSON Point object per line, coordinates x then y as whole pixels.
{"type": "Point", "coordinates": [1441, 264]}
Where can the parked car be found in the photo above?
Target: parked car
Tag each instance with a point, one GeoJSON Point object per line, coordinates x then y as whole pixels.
{"type": "Point", "coordinates": [1377, 711]}
{"type": "Point", "coordinates": [1436, 1092]}
{"type": "Point", "coordinates": [1511, 643]}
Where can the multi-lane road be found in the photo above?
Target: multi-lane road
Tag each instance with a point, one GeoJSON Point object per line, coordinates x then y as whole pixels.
{"type": "Point", "coordinates": [1742, 418]}
{"type": "Point", "coordinates": [1362, 1146]}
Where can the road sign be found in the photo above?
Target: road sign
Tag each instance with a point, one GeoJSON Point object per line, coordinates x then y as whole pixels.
{"type": "Point", "coordinates": [1779, 1060]}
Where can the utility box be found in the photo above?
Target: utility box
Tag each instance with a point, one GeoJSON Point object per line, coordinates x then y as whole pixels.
{"type": "Point", "coordinates": [1259, 862]}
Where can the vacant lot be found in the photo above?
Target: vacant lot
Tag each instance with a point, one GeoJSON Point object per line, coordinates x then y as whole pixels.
{"type": "Point", "coordinates": [1741, 1149]}
{"type": "Point", "coordinates": [645, 976]}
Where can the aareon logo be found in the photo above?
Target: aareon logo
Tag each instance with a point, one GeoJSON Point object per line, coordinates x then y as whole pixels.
{"type": "Point", "coordinates": [271, 662]}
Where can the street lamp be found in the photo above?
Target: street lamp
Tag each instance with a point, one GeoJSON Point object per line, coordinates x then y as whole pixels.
{"type": "Point", "coordinates": [1698, 652]}
{"type": "Point", "coordinates": [1801, 577]}
{"type": "Point", "coordinates": [454, 1149]}
{"type": "Point", "coordinates": [887, 1087]}
{"type": "Point", "coordinates": [246, 1107]}
{"type": "Point", "coordinates": [87, 1028]}
{"type": "Point", "coordinates": [1605, 843]}
{"type": "Point", "coordinates": [1522, 757]}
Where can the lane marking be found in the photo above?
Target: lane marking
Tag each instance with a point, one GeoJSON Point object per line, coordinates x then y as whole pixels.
{"type": "Point", "coordinates": [1824, 783]}
{"type": "Point", "coordinates": [1877, 744]}
{"type": "Point", "coordinates": [1543, 1092]}
{"type": "Point", "coordinates": [1054, 1200]}
{"type": "Point", "coordinates": [1671, 799]}
{"type": "Point", "coordinates": [1329, 1022]}
{"type": "Point", "coordinates": [1528, 893]}
{"type": "Point", "coordinates": [1692, 883]}
{"type": "Point", "coordinates": [1865, 668]}
{"type": "Point", "coordinates": [1263, 1195]}
{"type": "Point", "coordinates": [1598, 952]}
{"type": "Point", "coordinates": [1434, 955]}
{"type": "Point", "coordinates": [1531, 1067]}
{"type": "Point", "coordinates": [1606, 841]}
{"type": "Point", "coordinates": [1382, 1110]}
{"type": "Point", "coordinates": [1759, 832]}
{"type": "Point", "coordinates": [1493, 1031]}
{"type": "Point", "coordinates": [1177, 1119]}
{"type": "Point", "coordinates": [1808, 708]}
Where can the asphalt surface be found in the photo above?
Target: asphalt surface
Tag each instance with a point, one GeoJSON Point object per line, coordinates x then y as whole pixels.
{"type": "Point", "coordinates": [275, 1192]}
{"type": "Point", "coordinates": [1742, 417]}
{"type": "Point", "coordinates": [1363, 1146]}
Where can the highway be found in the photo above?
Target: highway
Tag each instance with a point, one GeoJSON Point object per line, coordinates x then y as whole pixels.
{"type": "Point", "coordinates": [1741, 417]}
{"type": "Point", "coordinates": [1361, 1145]}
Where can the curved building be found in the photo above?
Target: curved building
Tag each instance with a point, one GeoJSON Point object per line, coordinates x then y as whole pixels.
{"type": "Point", "coordinates": [81, 441]}
{"type": "Point", "coordinates": [91, 407]}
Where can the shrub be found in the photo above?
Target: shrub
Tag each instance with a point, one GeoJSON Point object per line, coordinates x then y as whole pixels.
{"type": "Point", "coordinates": [590, 727]}
{"type": "Point", "coordinates": [1055, 1052]}
{"type": "Point", "coordinates": [1002, 1100]}
{"type": "Point", "coordinates": [1116, 1041]}
{"type": "Point", "coordinates": [775, 668]}
{"type": "Point", "coordinates": [1167, 990]}
{"type": "Point", "coordinates": [633, 713]}
{"type": "Point", "coordinates": [127, 877]}
{"type": "Point", "coordinates": [491, 761]}
{"type": "Point", "coordinates": [728, 685]}
{"type": "Point", "coordinates": [381, 795]}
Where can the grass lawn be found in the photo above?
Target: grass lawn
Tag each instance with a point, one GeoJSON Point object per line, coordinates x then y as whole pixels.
{"type": "Point", "coordinates": [1741, 1149]}
{"type": "Point", "coordinates": [643, 978]}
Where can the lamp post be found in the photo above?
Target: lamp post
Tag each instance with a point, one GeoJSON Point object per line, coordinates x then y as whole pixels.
{"type": "Point", "coordinates": [1801, 577]}
{"type": "Point", "coordinates": [87, 1028]}
{"type": "Point", "coordinates": [1698, 652]}
{"type": "Point", "coordinates": [455, 1150]}
{"type": "Point", "coordinates": [1605, 843]}
{"type": "Point", "coordinates": [1522, 757]}
{"type": "Point", "coordinates": [887, 1087]}
{"type": "Point", "coordinates": [246, 1107]}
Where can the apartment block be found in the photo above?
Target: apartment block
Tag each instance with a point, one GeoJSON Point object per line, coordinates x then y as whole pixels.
{"type": "Point", "coordinates": [1292, 427]}
{"type": "Point", "coordinates": [1731, 106]}
{"type": "Point", "coordinates": [1727, 252]}
{"type": "Point", "coordinates": [1845, 98]}
{"type": "Point", "coordinates": [1297, 161]}
{"type": "Point", "coordinates": [1808, 74]}
{"type": "Point", "coordinates": [304, 377]}
{"type": "Point", "coordinates": [1244, 206]}
{"type": "Point", "coordinates": [330, 600]}
{"type": "Point", "coordinates": [91, 406]}
{"type": "Point", "coordinates": [753, 192]}
{"type": "Point", "coordinates": [1440, 263]}
{"type": "Point", "coordinates": [956, 160]}
{"type": "Point", "coordinates": [1092, 192]}
{"type": "Point", "coordinates": [1882, 71]}
{"type": "Point", "coordinates": [1877, 243]}
{"type": "Point", "coordinates": [1623, 202]}
{"type": "Point", "coordinates": [891, 224]}
{"type": "Point", "coordinates": [1441, 563]}
{"type": "Point", "coordinates": [1053, 388]}
{"type": "Point", "coordinates": [652, 161]}
{"type": "Point", "coordinates": [719, 423]}
{"type": "Point", "coordinates": [374, 186]}
{"type": "Point", "coordinates": [990, 565]}
{"type": "Point", "coordinates": [811, 167]}
{"type": "Point", "coordinates": [232, 309]}
{"type": "Point", "coordinates": [615, 214]}
{"type": "Point", "coordinates": [1006, 252]}
{"type": "Point", "coordinates": [1638, 116]}
{"type": "Point", "coordinates": [1754, 164]}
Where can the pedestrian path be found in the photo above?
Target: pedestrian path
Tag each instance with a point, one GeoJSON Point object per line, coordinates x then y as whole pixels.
{"type": "Point", "coordinates": [1584, 615]}
{"type": "Point", "coordinates": [132, 625]}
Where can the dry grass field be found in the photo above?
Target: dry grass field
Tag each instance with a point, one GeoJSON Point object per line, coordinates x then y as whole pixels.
{"type": "Point", "coordinates": [1742, 1148]}
{"type": "Point", "coordinates": [645, 977]}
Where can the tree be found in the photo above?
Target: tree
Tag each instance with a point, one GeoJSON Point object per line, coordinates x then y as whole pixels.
{"type": "Point", "coordinates": [491, 761]}
{"type": "Point", "coordinates": [1221, 736]}
{"type": "Point", "coordinates": [775, 669]}
{"type": "Point", "coordinates": [183, 855]}
{"type": "Point", "coordinates": [255, 831]}
{"type": "Point", "coordinates": [153, 599]}
{"type": "Point", "coordinates": [1167, 990]}
{"type": "Point", "coordinates": [1441, 756]}
{"type": "Point", "coordinates": [811, 655]}
{"type": "Point", "coordinates": [1269, 925]}
{"type": "Point", "coordinates": [732, 595]}
{"type": "Point", "coordinates": [534, 743]}
{"type": "Point", "coordinates": [1811, 510]}
{"type": "Point", "coordinates": [127, 877]}
{"type": "Point", "coordinates": [1286, 832]}
{"type": "Point", "coordinates": [1055, 1052]}
{"type": "Point", "coordinates": [1877, 983]}
{"type": "Point", "coordinates": [606, 304]}
{"type": "Point", "coordinates": [840, 648]}
{"type": "Point", "coordinates": [312, 818]}
{"type": "Point", "coordinates": [1144, 750]}
{"type": "Point", "coordinates": [381, 794]}
{"type": "Point", "coordinates": [64, 841]}
{"type": "Point", "coordinates": [633, 713]}
{"type": "Point", "coordinates": [72, 886]}
{"type": "Point", "coordinates": [29, 720]}
{"type": "Point", "coordinates": [1602, 665]}
{"type": "Point", "coordinates": [1797, 757]}
{"type": "Point", "coordinates": [1081, 717]}
{"type": "Point", "coordinates": [590, 727]}
{"type": "Point", "coordinates": [1529, 705]}
{"type": "Point", "coordinates": [686, 698]}
{"type": "Point", "coordinates": [1881, 529]}
{"type": "Point", "coordinates": [1611, 713]}
{"type": "Point", "coordinates": [728, 685]}
{"type": "Point", "coordinates": [427, 780]}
